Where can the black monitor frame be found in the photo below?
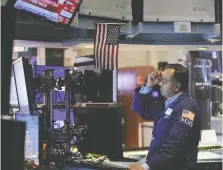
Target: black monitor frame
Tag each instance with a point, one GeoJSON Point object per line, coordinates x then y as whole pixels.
{"type": "Point", "coordinates": [11, 104]}
{"type": "Point", "coordinates": [99, 87]}
{"type": "Point", "coordinates": [12, 145]}
{"type": "Point", "coordinates": [28, 75]}
{"type": "Point", "coordinates": [8, 32]}
{"type": "Point", "coordinates": [104, 134]}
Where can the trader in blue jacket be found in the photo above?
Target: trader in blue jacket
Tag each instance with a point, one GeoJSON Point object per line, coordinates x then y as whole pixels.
{"type": "Point", "coordinates": [176, 131]}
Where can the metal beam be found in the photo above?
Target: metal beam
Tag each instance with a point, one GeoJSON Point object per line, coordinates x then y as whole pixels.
{"type": "Point", "coordinates": [88, 22]}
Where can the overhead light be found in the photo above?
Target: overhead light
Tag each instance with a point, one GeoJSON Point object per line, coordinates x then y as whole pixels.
{"type": "Point", "coordinates": [202, 48]}
{"type": "Point", "coordinates": [20, 49]}
{"type": "Point", "coordinates": [213, 40]}
{"type": "Point", "coordinates": [88, 46]}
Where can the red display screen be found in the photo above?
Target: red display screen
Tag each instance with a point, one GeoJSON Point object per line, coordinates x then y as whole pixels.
{"type": "Point", "coordinates": [58, 11]}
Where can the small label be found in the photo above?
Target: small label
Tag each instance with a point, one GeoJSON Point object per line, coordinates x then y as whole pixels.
{"type": "Point", "coordinates": [180, 27]}
{"type": "Point", "coordinates": [168, 111]}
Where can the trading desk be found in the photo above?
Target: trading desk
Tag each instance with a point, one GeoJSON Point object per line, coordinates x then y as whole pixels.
{"type": "Point", "coordinates": [207, 160]}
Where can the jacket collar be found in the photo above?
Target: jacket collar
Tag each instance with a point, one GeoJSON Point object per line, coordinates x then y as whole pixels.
{"type": "Point", "coordinates": [181, 97]}
{"type": "Point", "coordinates": [170, 100]}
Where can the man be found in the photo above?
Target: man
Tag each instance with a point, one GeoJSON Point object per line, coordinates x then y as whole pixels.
{"type": "Point", "coordinates": [176, 131]}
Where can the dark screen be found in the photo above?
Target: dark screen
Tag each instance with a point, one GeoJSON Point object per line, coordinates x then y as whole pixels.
{"type": "Point", "coordinates": [54, 57]}
{"type": "Point", "coordinates": [99, 86]}
{"type": "Point", "coordinates": [13, 137]}
{"type": "Point", "coordinates": [104, 135]}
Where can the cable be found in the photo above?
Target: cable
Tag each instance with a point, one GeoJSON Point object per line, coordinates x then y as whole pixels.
{"type": "Point", "coordinates": [61, 101]}
{"type": "Point", "coordinates": [96, 161]}
{"type": "Point", "coordinates": [40, 114]}
{"type": "Point", "coordinates": [75, 156]}
{"type": "Point", "coordinates": [38, 99]}
{"type": "Point", "coordinates": [68, 107]}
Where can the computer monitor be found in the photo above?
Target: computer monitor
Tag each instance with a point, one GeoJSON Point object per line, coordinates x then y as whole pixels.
{"type": "Point", "coordinates": [99, 85]}
{"type": "Point", "coordinates": [104, 134]}
{"type": "Point", "coordinates": [24, 83]}
{"type": "Point", "coordinates": [32, 136]}
{"type": "Point", "coordinates": [58, 11]}
{"type": "Point", "coordinates": [7, 25]}
{"type": "Point", "coordinates": [12, 152]}
{"type": "Point", "coordinates": [13, 98]}
{"type": "Point", "coordinates": [12, 141]}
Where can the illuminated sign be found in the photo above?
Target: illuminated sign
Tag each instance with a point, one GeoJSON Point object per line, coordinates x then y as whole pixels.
{"type": "Point", "coordinates": [21, 49]}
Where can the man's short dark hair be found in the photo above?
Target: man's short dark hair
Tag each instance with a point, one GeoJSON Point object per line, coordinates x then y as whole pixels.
{"type": "Point", "coordinates": [180, 75]}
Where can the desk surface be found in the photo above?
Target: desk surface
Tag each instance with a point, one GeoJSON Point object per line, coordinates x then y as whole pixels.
{"type": "Point", "coordinates": [203, 157]}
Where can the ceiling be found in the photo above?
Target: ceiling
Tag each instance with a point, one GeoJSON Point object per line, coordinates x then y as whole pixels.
{"type": "Point", "coordinates": [23, 43]}
{"type": "Point", "coordinates": [159, 47]}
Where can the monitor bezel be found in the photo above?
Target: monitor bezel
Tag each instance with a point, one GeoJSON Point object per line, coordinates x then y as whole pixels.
{"type": "Point", "coordinates": [25, 68]}
{"type": "Point", "coordinates": [16, 89]}
{"type": "Point", "coordinates": [8, 20]}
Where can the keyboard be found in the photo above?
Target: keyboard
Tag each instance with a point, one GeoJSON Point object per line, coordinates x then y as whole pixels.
{"type": "Point", "coordinates": [128, 159]}
{"type": "Point", "coordinates": [134, 157]}
{"type": "Point", "coordinates": [103, 166]}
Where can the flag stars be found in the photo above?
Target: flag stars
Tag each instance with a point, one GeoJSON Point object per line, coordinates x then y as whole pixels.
{"type": "Point", "coordinates": [113, 34]}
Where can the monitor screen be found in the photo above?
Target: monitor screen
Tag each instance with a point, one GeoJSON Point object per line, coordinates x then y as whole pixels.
{"type": "Point", "coordinates": [13, 98]}
{"type": "Point", "coordinates": [57, 11]}
{"type": "Point", "coordinates": [12, 141]}
{"type": "Point", "coordinates": [20, 79]}
{"type": "Point", "coordinates": [32, 136]}
{"type": "Point", "coordinates": [104, 133]}
{"type": "Point", "coordinates": [99, 86]}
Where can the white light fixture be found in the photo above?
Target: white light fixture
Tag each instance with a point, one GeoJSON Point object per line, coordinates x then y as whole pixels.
{"type": "Point", "coordinates": [20, 49]}
{"type": "Point", "coordinates": [202, 48]}
{"type": "Point", "coordinates": [88, 46]}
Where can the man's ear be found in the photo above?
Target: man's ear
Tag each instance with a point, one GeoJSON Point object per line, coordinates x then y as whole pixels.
{"type": "Point", "coordinates": [177, 86]}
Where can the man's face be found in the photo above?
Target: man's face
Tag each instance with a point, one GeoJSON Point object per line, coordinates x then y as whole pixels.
{"type": "Point", "coordinates": [167, 87]}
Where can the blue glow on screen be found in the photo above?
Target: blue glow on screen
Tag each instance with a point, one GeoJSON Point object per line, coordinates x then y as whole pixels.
{"type": "Point", "coordinates": [32, 136]}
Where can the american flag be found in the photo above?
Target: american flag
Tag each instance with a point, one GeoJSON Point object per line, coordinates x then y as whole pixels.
{"type": "Point", "coordinates": [188, 114]}
{"type": "Point", "coordinates": [106, 46]}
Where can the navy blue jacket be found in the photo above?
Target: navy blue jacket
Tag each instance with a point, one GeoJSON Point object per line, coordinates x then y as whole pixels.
{"type": "Point", "coordinates": [176, 131]}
